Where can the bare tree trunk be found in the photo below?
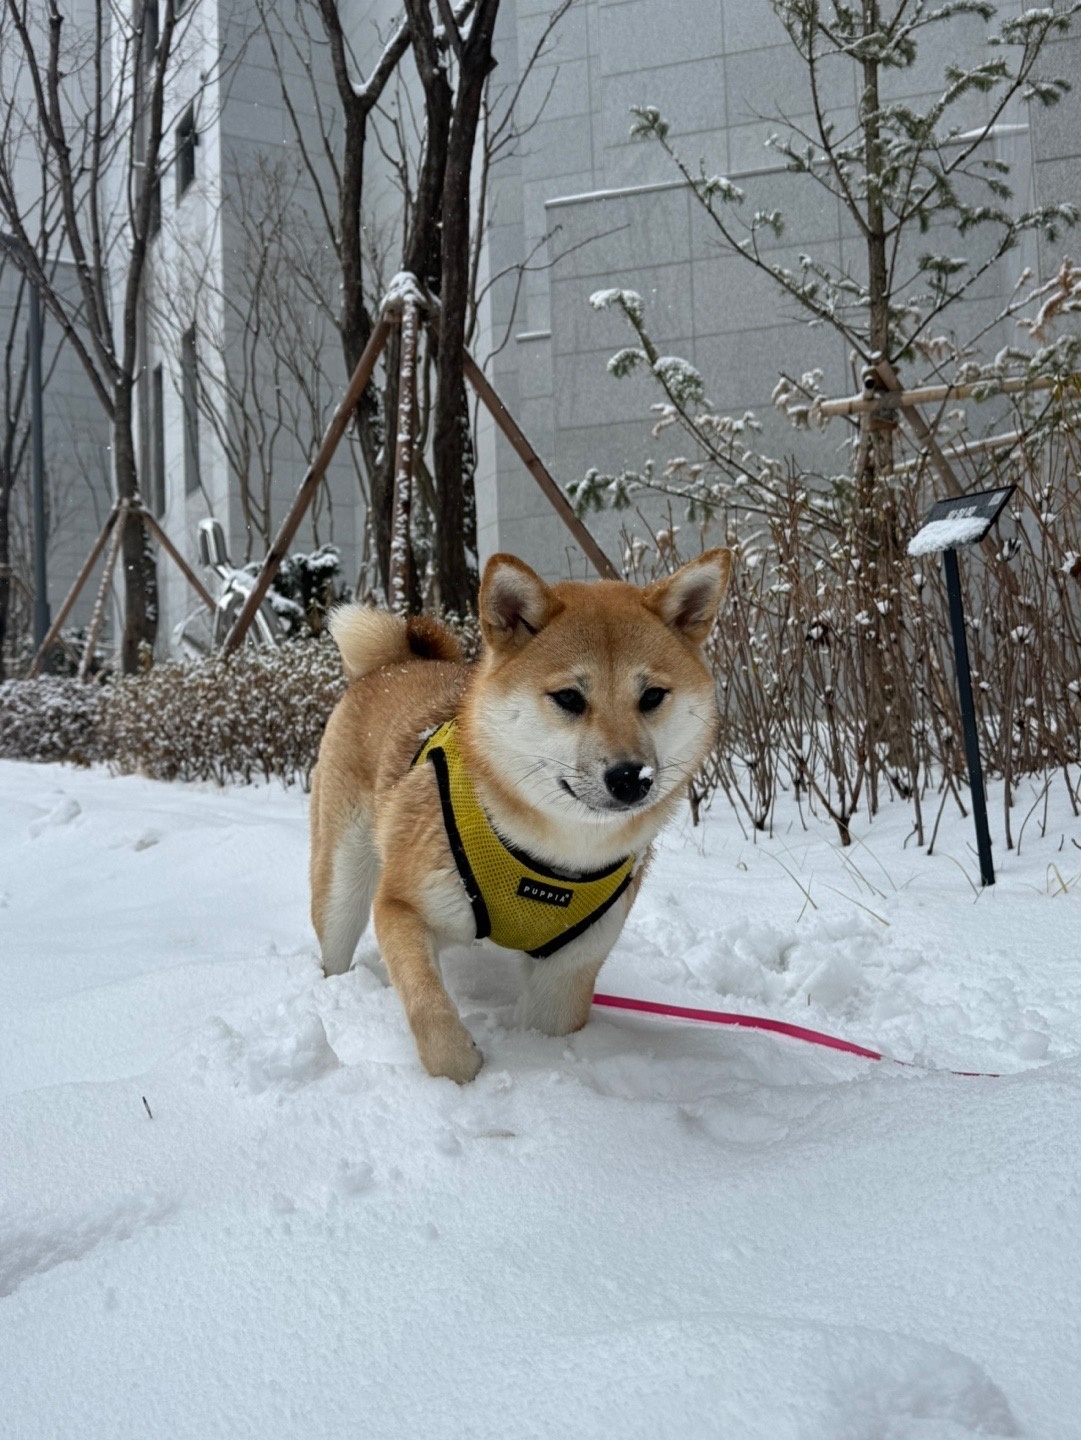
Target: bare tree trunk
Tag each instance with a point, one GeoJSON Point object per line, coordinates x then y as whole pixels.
{"type": "Point", "coordinates": [382, 481]}
{"type": "Point", "coordinates": [878, 281]}
{"type": "Point", "coordinates": [140, 572]}
{"type": "Point", "coordinates": [877, 521]}
{"type": "Point", "coordinates": [422, 254]}
{"type": "Point", "coordinates": [100, 128]}
{"type": "Point", "coordinates": [469, 491]}
{"type": "Point", "coordinates": [356, 321]}
{"type": "Point", "coordinates": [5, 566]}
{"type": "Point", "coordinates": [457, 585]}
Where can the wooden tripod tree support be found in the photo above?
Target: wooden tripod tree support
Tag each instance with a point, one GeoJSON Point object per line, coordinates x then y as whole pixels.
{"type": "Point", "coordinates": [98, 612]}
{"type": "Point", "coordinates": [123, 513]}
{"type": "Point", "coordinates": [883, 395]}
{"type": "Point", "coordinates": [883, 392]}
{"type": "Point", "coordinates": [899, 398]}
{"type": "Point", "coordinates": [405, 299]}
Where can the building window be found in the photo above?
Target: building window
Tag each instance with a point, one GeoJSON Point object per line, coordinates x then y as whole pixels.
{"type": "Point", "coordinates": [157, 441]}
{"type": "Point", "coordinates": [189, 379]}
{"type": "Point", "coordinates": [150, 33]}
{"type": "Point", "coordinates": [187, 137]}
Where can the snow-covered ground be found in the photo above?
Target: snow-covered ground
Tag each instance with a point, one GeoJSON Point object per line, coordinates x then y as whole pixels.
{"type": "Point", "coordinates": [650, 1229]}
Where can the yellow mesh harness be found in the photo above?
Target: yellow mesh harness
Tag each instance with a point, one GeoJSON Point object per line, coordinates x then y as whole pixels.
{"type": "Point", "coordinates": [516, 902]}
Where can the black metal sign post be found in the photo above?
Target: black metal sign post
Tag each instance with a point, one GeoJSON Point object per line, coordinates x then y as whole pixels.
{"type": "Point", "coordinates": [950, 525]}
{"type": "Point", "coordinates": [968, 717]}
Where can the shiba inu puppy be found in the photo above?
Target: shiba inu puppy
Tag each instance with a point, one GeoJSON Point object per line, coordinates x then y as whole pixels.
{"type": "Point", "coordinates": [543, 774]}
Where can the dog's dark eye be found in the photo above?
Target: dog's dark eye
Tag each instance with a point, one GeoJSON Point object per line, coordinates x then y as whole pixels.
{"type": "Point", "coordinates": [651, 698]}
{"type": "Point", "coordinates": [573, 701]}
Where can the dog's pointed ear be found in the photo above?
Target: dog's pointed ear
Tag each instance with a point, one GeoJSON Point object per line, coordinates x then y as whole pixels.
{"type": "Point", "coordinates": [689, 600]}
{"type": "Point", "coordinates": [514, 603]}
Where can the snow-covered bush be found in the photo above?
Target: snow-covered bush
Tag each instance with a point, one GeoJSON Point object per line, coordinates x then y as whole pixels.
{"type": "Point", "coordinates": [305, 588]}
{"type": "Point", "coordinates": [838, 685]}
{"type": "Point", "coordinates": [52, 718]}
{"type": "Point", "coordinates": [258, 715]}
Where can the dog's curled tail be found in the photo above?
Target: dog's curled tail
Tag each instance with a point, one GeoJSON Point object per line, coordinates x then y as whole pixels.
{"type": "Point", "coordinates": [369, 639]}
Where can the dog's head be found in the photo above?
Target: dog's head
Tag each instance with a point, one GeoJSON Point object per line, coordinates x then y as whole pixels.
{"type": "Point", "coordinates": [593, 702]}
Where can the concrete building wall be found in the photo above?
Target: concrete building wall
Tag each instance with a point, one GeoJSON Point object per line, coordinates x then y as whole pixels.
{"type": "Point", "coordinates": [575, 201]}
{"type": "Point", "coordinates": [76, 452]}
{"type": "Point", "coordinates": [615, 216]}
{"type": "Point", "coordinates": [252, 186]}
{"type": "Point", "coordinates": [76, 443]}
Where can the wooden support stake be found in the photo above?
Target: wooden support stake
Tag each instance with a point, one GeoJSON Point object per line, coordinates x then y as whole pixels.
{"type": "Point", "coordinates": [175, 555]}
{"type": "Point", "coordinates": [535, 465]}
{"type": "Point", "coordinates": [311, 482]}
{"type": "Point", "coordinates": [923, 433]}
{"type": "Point", "coordinates": [400, 555]}
{"type": "Point", "coordinates": [73, 594]}
{"type": "Point", "coordinates": [98, 612]}
{"type": "Point", "coordinates": [935, 394]}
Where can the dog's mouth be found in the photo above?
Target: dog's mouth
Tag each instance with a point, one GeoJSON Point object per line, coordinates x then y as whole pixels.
{"type": "Point", "coordinates": [608, 805]}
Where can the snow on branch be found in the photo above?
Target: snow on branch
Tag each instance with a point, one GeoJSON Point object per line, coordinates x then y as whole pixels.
{"type": "Point", "coordinates": [629, 301]}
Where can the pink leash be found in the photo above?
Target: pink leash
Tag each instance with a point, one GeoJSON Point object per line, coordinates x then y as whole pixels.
{"type": "Point", "coordinates": [759, 1022]}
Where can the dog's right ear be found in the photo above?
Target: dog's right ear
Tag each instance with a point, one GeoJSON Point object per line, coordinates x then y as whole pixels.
{"type": "Point", "coordinates": [514, 603]}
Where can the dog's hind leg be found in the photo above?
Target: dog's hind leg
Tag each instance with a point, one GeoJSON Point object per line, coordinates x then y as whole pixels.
{"type": "Point", "coordinates": [344, 877]}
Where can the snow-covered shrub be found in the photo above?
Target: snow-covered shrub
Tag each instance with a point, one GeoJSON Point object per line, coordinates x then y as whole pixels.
{"type": "Point", "coordinates": [64, 658]}
{"type": "Point", "coordinates": [51, 718]}
{"type": "Point", "coordinates": [305, 588]}
{"type": "Point", "coordinates": [839, 685]}
{"type": "Point", "coordinates": [834, 663]}
{"type": "Point", "coordinates": [260, 714]}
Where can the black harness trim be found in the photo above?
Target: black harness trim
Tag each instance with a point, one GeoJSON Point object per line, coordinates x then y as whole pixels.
{"type": "Point", "coordinates": [465, 870]}
{"type": "Point", "coordinates": [524, 858]}
{"type": "Point", "coordinates": [582, 926]}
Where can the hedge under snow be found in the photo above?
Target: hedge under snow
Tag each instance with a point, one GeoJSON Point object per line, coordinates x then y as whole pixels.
{"type": "Point", "coordinates": [260, 714]}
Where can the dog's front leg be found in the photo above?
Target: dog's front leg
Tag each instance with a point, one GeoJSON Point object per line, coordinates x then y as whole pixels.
{"type": "Point", "coordinates": [558, 993]}
{"type": "Point", "coordinates": [444, 1044]}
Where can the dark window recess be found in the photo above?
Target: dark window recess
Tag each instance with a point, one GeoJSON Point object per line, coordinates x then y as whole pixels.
{"type": "Point", "coordinates": [150, 33]}
{"type": "Point", "coordinates": [189, 379]}
{"type": "Point", "coordinates": [157, 441]}
{"type": "Point", "coordinates": [187, 137]}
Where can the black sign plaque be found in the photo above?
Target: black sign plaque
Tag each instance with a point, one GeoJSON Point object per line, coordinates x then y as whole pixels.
{"type": "Point", "coordinates": [950, 525]}
{"type": "Point", "coordinates": [964, 520]}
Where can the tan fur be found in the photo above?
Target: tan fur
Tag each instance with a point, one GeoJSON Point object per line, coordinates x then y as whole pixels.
{"type": "Point", "coordinates": [378, 839]}
{"type": "Point", "coordinates": [371, 639]}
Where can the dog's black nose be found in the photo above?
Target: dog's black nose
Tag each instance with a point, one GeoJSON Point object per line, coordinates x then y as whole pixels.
{"type": "Point", "coordinates": [628, 783]}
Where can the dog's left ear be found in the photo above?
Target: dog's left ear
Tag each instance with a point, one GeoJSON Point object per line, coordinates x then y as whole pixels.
{"type": "Point", "coordinates": [689, 600]}
{"type": "Point", "coordinates": [514, 603]}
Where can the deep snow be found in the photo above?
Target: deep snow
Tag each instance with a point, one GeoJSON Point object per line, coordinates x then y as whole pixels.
{"type": "Point", "coordinates": [649, 1229]}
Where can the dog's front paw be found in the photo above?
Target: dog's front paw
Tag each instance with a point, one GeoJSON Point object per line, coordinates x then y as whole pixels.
{"type": "Point", "coordinates": [447, 1048]}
